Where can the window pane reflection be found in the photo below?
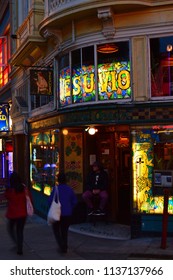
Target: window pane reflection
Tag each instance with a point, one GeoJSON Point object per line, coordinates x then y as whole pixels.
{"type": "Point", "coordinates": [161, 50]}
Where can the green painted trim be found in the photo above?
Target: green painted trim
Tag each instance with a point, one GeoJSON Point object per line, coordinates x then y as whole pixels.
{"type": "Point", "coordinates": [153, 223]}
{"type": "Point", "coordinates": [110, 114]}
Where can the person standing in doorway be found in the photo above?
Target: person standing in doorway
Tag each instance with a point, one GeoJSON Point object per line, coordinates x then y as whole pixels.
{"type": "Point", "coordinates": [68, 201]}
{"type": "Point", "coordinates": [97, 184]}
{"type": "Point", "coordinates": [16, 210]}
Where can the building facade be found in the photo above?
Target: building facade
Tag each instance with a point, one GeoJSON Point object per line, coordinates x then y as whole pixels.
{"type": "Point", "coordinates": [93, 81]}
{"type": "Point", "coordinates": [6, 140]}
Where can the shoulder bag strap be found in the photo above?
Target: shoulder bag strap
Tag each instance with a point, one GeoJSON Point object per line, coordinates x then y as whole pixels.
{"type": "Point", "coordinates": [56, 194]}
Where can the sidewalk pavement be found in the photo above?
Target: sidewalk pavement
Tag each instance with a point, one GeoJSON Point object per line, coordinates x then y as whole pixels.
{"type": "Point", "coordinates": [39, 244]}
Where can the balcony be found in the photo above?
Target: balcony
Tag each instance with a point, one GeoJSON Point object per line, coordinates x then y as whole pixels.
{"type": "Point", "coordinates": [28, 44]}
{"type": "Point", "coordinates": [59, 13]}
{"type": "Point", "coordinates": [59, 6]}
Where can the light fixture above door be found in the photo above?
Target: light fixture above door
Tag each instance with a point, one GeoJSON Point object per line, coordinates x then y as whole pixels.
{"type": "Point", "coordinates": [91, 130]}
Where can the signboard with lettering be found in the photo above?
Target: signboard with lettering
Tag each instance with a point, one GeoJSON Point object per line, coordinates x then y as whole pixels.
{"type": "Point", "coordinates": [4, 117]}
{"type": "Point", "coordinates": [114, 82]}
{"type": "Point", "coordinates": [41, 82]}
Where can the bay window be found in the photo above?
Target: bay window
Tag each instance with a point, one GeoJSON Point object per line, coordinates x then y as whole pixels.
{"type": "Point", "coordinates": [95, 73]}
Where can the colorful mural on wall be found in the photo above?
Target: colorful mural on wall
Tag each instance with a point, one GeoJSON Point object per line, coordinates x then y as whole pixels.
{"type": "Point", "coordinates": [73, 160]}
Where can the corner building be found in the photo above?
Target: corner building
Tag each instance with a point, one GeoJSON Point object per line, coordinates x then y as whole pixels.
{"type": "Point", "coordinates": [93, 80]}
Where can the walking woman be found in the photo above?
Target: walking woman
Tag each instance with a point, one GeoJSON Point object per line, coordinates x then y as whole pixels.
{"type": "Point", "coordinates": [68, 201]}
{"type": "Point", "coordinates": [16, 210]}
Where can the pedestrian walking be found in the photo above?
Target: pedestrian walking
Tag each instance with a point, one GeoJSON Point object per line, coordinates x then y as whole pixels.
{"type": "Point", "coordinates": [16, 213]}
{"type": "Point", "coordinates": [68, 201]}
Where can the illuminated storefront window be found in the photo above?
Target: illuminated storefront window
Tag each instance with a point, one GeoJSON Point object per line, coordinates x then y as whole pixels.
{"type": "Point", "coordinates": [78, 72]}
{"type": "Point", "coordinates": [44, 160]}
{"type": "Point", "coordinates": [152, 155]}
{"type": "Point", "coordinates": [161, 53]}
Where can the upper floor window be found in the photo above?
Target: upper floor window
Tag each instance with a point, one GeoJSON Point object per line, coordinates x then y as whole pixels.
{"type": "Point", "coordinates": [95, 73]}
{"type": "Point", "coordinates": [4, 56]}
{"type": "Point", "coordinates": [23, 10]}
{"type": "Point", "coordinates": [161, 53]}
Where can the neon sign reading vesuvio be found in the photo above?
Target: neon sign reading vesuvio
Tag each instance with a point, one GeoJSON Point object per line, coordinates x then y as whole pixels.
{"type": "Point", "coordinates": [113, 83]}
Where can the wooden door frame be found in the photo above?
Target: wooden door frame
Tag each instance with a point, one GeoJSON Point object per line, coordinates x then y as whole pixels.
{"type": "Point", "coordinates": [113, 157]}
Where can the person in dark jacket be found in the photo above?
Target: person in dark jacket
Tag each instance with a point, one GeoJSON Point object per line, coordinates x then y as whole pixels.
{"type": "Point", "coordinates": [68, 201]}
{"type": "Point", "coordinates": [16, 210]}
{"type": "Point", "coordinates": [97, 184]}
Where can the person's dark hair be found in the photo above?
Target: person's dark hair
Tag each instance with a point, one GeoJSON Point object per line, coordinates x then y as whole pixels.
{"type": "Point", "coordinates": [61, 178]}
{"type": "Point", "coordinates": [98, 164]}
{"type": "Point", "coordinates": [15, 182]}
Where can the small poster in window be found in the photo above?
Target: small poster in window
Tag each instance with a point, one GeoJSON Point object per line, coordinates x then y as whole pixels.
{"type": "Point", "coordinates": [92, 159]}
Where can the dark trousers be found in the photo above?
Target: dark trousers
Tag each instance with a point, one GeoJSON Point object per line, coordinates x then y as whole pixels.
{"type": "Point", "coordinates": [88, 198]}
{"type": "Point", "coordinates": [60, 230]}
{"type": "Point", "coordinates": [15, 229]}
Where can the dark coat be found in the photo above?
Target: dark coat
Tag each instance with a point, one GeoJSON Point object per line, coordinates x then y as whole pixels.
{"type": "Point", "coordinates": [97, 180]}
{"type": "Point", "coordinates": [16, 204]}
{"type": "Point", "coordinates": [67, 199]}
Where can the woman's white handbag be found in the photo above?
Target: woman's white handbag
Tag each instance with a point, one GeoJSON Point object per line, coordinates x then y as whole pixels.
{"type": "Point", "coordinates": [29, 206]}
{"type": "Point", "coordinates": [54, 213]}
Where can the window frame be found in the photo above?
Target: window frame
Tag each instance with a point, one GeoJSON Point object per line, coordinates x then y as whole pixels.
{"type": "Point", "coordinates": [4, 66]}
{"type": "Point", "coordinates": [97, 101]}
{"type": "Point", "coordinates": [156, 98]}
